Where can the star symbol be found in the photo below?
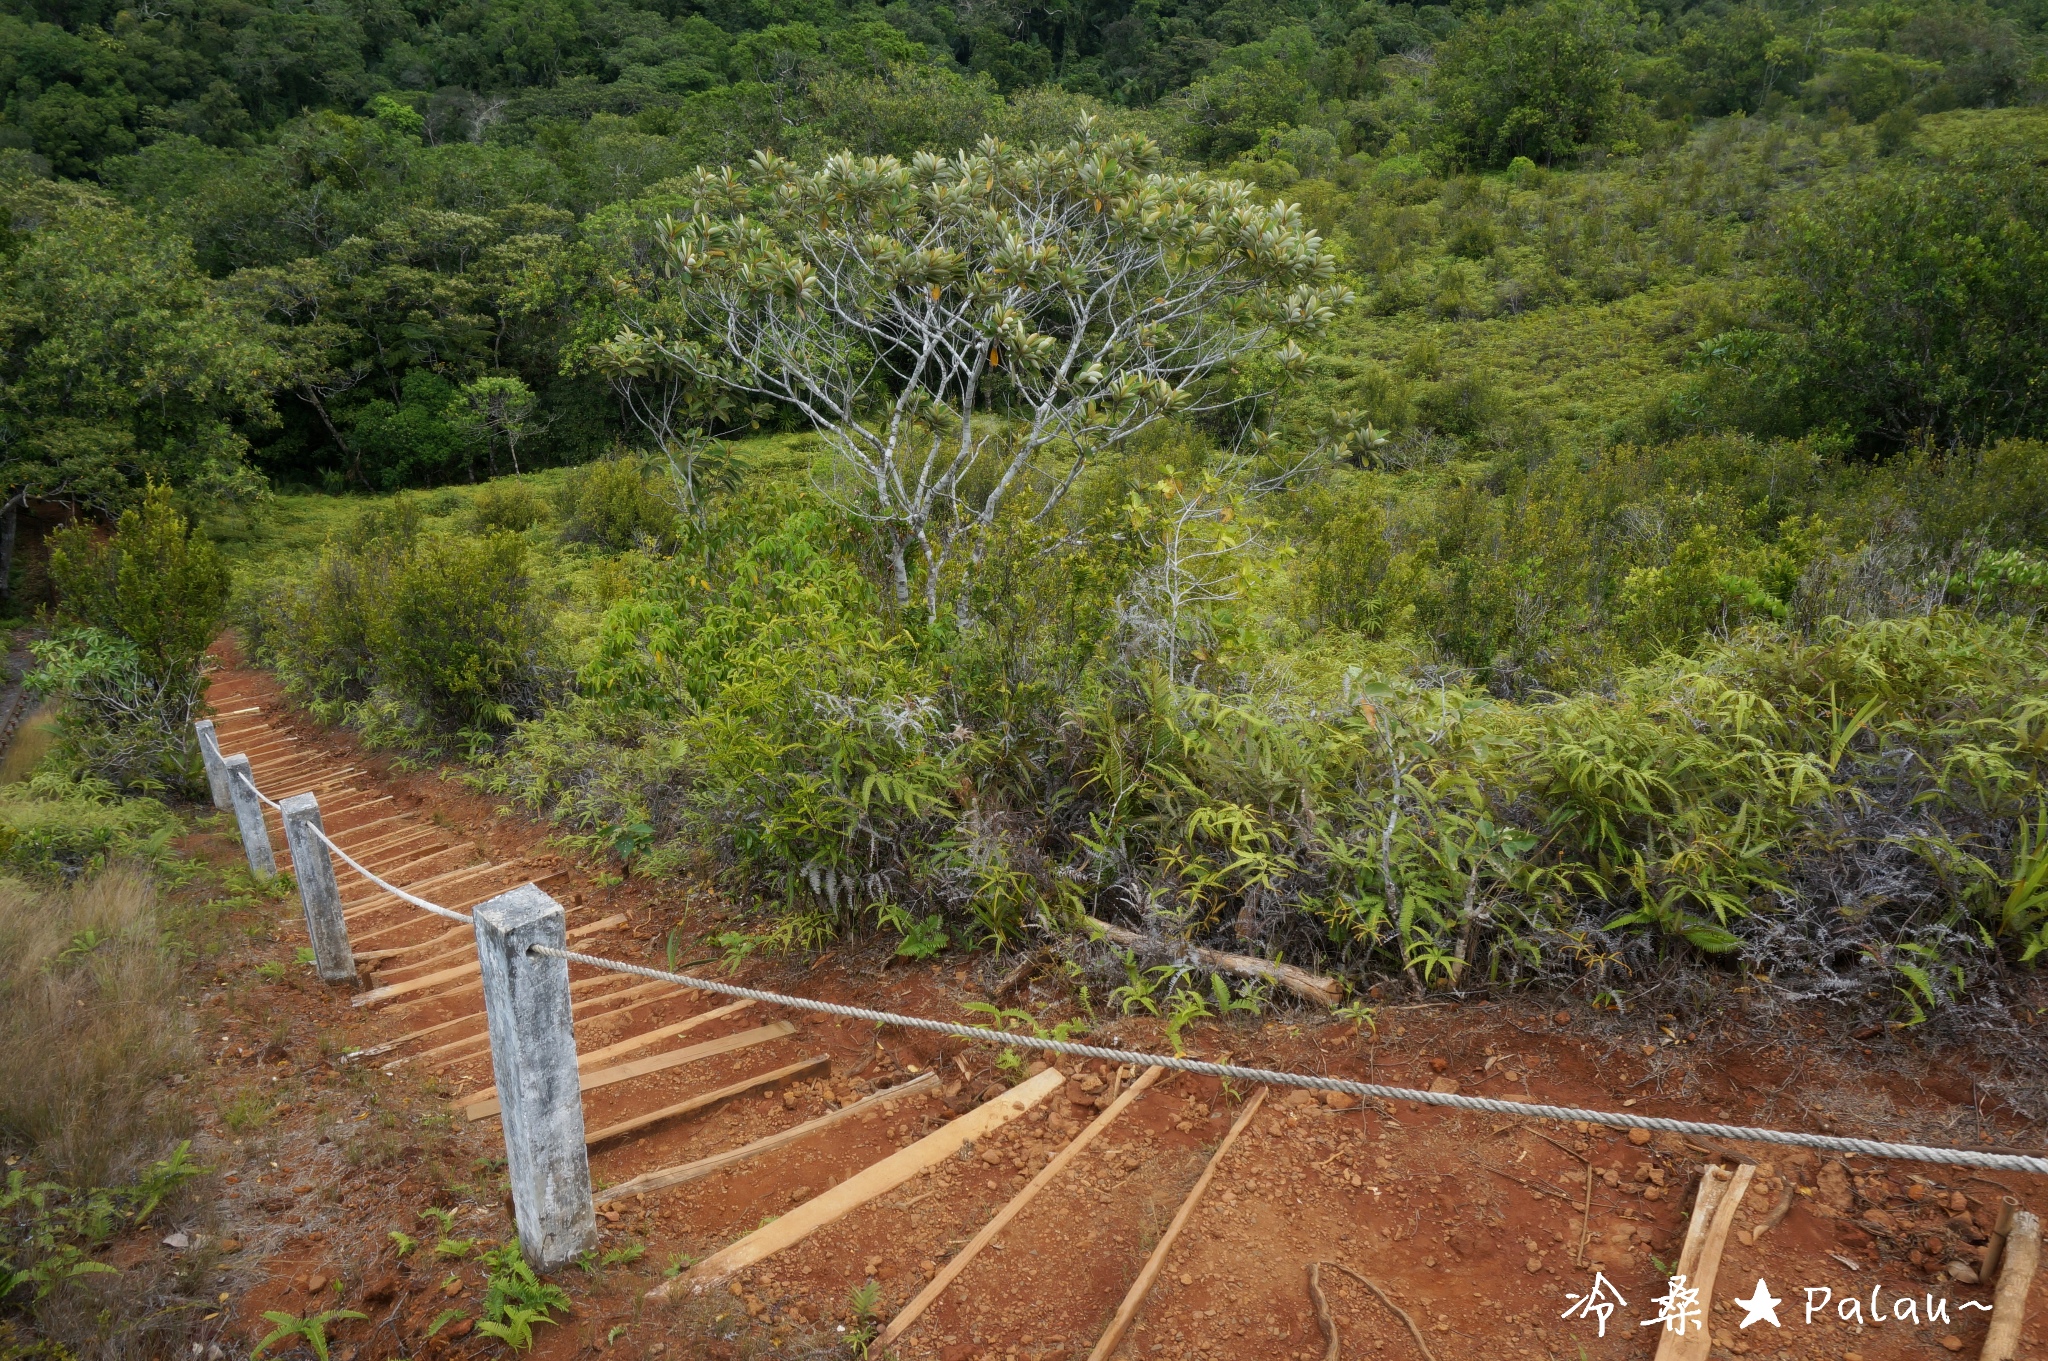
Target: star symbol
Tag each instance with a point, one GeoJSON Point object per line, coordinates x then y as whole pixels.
{"type": "Point", "coordinates": [1760, 1306]}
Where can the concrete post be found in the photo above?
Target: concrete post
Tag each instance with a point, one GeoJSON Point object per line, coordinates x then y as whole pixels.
{"type": "Point", "coordinates": [313, 866]}
{"type": "Point", "coordinates": [533, 1058]}
{"type": "Point", "coordinates": [216, 771]}
{"type": "Point", "coordinates": [249, 817]}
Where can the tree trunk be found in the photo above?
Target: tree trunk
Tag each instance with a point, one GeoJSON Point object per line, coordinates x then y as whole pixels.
{"type": "Point", "coordinates": [9, 519]}
{"type": "Point", "coordinates": [311, 396]}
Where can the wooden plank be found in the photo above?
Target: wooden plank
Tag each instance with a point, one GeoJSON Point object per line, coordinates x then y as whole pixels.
{"type": "Point", "coordinates": [1699, 1261]}
{"type": "Point", "coordinates": [602, 924]}
{"type": "Point", "coordinates": [863, 1186]}
{"type": "Point", "coordinates": [2015, 1279]}
{"type": "Point", "coordinates": [391, 990]}
{"type": "Point", "coordinates": [1113, 1336]}
{"type": "Point", "coordinates": [611, 1002]}
{"type": "Point", "coordinates": [415, 919]}
{"type": "Point", "coordinates": [1047, 1174]}
{"type": "Point", "coordinates": [645, 1038]}
{"type": "Point", "coordinates": [664, 1177]}
{"type": "Point", "coordinates": [697, 1103]}
{"type": "Point", "coordinates": [452, 933]}
{"type": "Point", "coordinates": [383, 900]}
{"type": "Point", "coordinates": [586, 1062]}
{"type": "Point", "coordinates": [409, 1036]}
{"type": "Point", "coordinates": [658, 1063]}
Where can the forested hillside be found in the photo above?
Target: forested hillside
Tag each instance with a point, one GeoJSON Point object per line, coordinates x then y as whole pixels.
{"type": "Point", "coordinates": [1558, 494]}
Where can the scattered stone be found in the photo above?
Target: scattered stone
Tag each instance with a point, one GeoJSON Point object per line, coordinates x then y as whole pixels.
{"type": "Point", "coordinates": [1563, 1018]}
{"type": "Point", "coordinates": [1639, 1137]}
{"type": "Point", "coordinates": [315, 1284]}
{"type": "Point", "coordinates": [1952, 1343]}
{"type": "Point", "coordinates": [179, 1240]}
{"type": "Point", "coordinates": [229, 1245]}
{"type": "Point", "coordinates": [1957, 1202]}
{"type": "Point", "coordinates": [1447, 1085]}
{"type": "Point", "coordinates": [1340, 1101]}
{"type": "Point", "coordinates": [1439, 1065]}
{"type": "Point", "coordinates": [1186, 1278]}
{"type": "Point", "coordinates": [1964, 1273]}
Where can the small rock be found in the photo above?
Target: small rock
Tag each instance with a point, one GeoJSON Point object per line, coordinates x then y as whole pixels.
{"type": "Point", "coordinates": [1562, 1018]}
{"type": "Point", "coordinates": [1340, 1101]}
{"type": "Point", "coordinates": [1535, 1264]}
{"type": "Point", "coordinates": [1439, 1065]}
{"type": "Point", "coordinates": [1186, 1279]}
{"type": "Point", "coordinates": [1963, 1272]}
{"type": "Point", "coordinates": [315, 1284]}
{"type": "Point", "coordinates": [1952, 1343]}
{"type": "Point", "coordinates": [179, 1240]}
{"type": "Point", "coordinates": [460, 1328]}
{"type": "Point", "coordinates": [229, 1245]}
{"type": "Point", "coordinates": [1444, 1084]}
{"type": "Point", "coordinates": [1958, 1203]}
{"type": "Point", "coordinates": [1035, 1069]}
{"type": "Point", "coordinates": [1298, 1096]}
{"type": "Point", "coordinates": [799, 1194]}
{"type": "Point", "coordinates": [1089, 1083]}
{"type": "Point", "coordinates": [1653, 1193]}
{"type": "Point", "coordinates": [1852, 1356]}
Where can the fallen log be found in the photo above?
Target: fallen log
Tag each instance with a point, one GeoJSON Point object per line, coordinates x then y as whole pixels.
{"type": "Point", "coordinates": [1308, 986]}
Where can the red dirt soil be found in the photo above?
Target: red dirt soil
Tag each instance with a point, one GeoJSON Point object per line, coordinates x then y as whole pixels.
{"type": "Point", "coordinates": [1472, 1224]}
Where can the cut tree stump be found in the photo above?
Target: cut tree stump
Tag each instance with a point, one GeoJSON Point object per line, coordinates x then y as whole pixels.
{"type": "Point", "coordinates": [1134, 1299]}
{"type": "Point", "coordinates": [911, 1311]}
{"type": "Point", "coordinates": [664, 1177]}
{"type": "Point", "coordinates": [1699, 1262]}
{"type": "Point", "coordinates": [863, 1186]}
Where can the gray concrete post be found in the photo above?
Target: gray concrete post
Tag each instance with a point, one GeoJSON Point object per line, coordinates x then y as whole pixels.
{"type": "Point", "coordinates": [533, 1058]}
{"type": "Point", "coordinates": [216, 770]}
{"type": "Point", "coordinates": [313, 867]}
{"type": "Point", "coordinates": [249, 817]}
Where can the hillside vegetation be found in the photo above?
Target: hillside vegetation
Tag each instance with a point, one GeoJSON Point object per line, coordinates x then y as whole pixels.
{"type": "Point", "coordinates": [1460, 498]}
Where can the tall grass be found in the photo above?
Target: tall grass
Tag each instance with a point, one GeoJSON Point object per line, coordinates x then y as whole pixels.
{"type": "Point", "coordinates": [90, 1026]}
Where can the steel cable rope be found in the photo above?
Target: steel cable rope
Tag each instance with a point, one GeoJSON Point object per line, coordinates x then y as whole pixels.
{"type": "Point", "coordinates": [2008, 1162]}
{"type": "Point", "coordinates": [1871, 1148]}
{"type": "Point", "coordinates": [358, 865]}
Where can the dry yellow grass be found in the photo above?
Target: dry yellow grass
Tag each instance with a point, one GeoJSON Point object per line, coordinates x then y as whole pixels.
{"type": "Point", "coordinates": [90, 1025]}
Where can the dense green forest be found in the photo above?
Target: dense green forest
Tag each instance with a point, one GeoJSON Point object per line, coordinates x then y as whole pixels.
{"type": "Point", "coordinates": [1559, 495]}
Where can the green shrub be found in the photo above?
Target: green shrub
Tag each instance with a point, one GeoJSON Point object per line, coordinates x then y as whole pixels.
{"type": "Point", "coordinates": [616, 504]}
{"type": "Point", "coordinates": [419, 635]}
{"type": "Point", "coordinates": [506, 505]}
{"type": "Point", "coordinates": [53, 826]}
{"type": "Point", "coordinates": [149, 599]}
{"type": "Point", "coordinates": [456, 633]}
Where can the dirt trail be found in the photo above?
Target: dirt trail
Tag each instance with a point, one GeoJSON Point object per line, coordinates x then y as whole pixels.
{"type": "Point", "coordinates": [1474, 1225]}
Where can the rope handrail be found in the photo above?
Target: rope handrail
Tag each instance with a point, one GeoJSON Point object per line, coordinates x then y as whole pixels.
{"type": "Point", "coordinates": [1965, 1157]}
{"type": "Point", "coordinates": [267, 801]}
{"type": "Point", "coordinates": [388, 886]}
{"type": "Point", "coordinates": [358, 865]}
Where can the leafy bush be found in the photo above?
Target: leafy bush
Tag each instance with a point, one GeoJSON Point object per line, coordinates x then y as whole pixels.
{"type": "Point", "coordinates": [616, 504]}
{"type": "Point", "coordinates": [150, 600]}
{"type": "Point", "coordinates": [420, 634]}
{"type": "Point", "coordinates": [506, 505]}
{"type": "Point", "coordinates": [55, 827]}
{"type": "Point", "coordinates": [1909, 310]}
{"type": "Point", "coordinates": [457, 635]}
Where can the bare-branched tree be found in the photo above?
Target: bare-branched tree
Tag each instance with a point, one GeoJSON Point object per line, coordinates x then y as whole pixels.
{"type": "Point", "coordinates": [964, 331]}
